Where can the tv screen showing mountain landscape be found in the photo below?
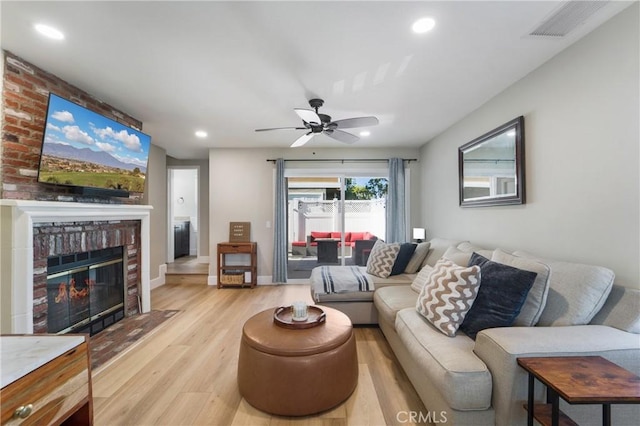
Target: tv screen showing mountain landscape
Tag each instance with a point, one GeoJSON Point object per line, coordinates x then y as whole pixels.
{"type": "Point", "coordinates": [83, 148]}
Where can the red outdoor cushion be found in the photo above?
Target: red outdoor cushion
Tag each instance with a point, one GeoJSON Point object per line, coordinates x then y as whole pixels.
{"type": "Point", "coordinates": [316, 234]}
{"type": "Point", "coordinates": [357, 236]}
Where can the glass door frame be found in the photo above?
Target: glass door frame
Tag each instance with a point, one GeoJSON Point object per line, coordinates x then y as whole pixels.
{"type": "Point", "coordinates": [371, 171]}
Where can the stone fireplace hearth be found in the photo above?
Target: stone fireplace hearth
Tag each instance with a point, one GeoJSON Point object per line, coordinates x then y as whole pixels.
{"type": "Point", "coordinates": [64, 228]}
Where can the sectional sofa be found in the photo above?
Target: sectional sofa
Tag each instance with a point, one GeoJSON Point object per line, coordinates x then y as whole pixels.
{"type": "Point", "coordinates": [478, 382]}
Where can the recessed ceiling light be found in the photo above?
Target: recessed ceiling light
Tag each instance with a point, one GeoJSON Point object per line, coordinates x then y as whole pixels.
{"type": "Point", "coordinates": [423, 25]}
{"type": "Point", "coordinates": [201, 134]}
{"type": "Point", "coordinates": [365, 133]}
{"type": "Point", "coordinates": [50, 32]}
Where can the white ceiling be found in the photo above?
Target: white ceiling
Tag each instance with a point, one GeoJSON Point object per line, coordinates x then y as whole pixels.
{"type": "Point", "coordinates": [231, 67]}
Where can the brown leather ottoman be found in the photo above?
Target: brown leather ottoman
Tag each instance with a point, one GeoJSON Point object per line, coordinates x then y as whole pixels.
{"type": "Point", "coordinates": [297, 372]}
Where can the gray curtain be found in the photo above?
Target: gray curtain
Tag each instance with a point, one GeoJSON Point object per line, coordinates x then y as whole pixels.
{"type": "Point", "coordinates": [280, 226]}
{"type": "Point", "coordinates": [396, 223]}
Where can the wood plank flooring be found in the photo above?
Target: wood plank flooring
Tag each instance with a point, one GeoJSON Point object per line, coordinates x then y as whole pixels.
{"type": "Point", "coordinates": [187, 270]}
{"type": "Point", "coordinates": [184, 373]}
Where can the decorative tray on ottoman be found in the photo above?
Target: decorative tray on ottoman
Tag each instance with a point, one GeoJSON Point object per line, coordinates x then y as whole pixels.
{"type": "Point", "coordinates": [283, 316]}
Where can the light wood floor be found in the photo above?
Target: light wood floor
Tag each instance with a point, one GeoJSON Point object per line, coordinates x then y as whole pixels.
{"type": "Point", "coordinates": [185, 372]}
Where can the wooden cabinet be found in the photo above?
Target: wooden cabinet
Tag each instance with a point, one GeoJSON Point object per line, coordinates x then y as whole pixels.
{"type": "Point", "coordinates": [181, 239]}
{"type": "Point", "coordinates": [46, 379]}
{"type": "Point", "coordinates": [228, 272]}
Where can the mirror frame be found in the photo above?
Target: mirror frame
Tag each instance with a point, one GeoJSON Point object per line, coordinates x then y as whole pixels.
{"type": "Point", "coordinates": [516, 124]}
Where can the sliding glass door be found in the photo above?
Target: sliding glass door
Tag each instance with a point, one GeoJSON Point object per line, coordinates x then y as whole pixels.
{"type": "Point", "coordinates": [333, 220]}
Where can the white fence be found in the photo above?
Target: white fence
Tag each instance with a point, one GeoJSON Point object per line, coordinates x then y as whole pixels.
{"type": "Point", "coordinates": [324, 216]}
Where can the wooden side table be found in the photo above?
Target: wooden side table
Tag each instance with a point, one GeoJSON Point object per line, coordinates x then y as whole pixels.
{"type": "Point", "coordinates": [578, 380]}
{"type": "Point", "coordinates": [46, 379]}
{"type": "Point", "coordinates": [225, 249]}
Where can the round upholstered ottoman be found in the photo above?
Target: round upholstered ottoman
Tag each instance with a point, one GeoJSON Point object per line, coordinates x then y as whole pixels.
{"type": "Point", "coordinates": [297, 372]}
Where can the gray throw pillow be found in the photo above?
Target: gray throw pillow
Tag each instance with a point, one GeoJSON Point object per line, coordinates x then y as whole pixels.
{"type": "Point", "coordinates": [418, 257]}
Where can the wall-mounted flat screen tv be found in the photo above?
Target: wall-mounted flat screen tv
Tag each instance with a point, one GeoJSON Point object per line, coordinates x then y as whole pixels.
{"type": "Point", "coordinates": [85, 149]}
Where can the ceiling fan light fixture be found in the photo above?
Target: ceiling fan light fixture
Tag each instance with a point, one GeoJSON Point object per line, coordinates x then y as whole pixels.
{"type": "Point", "coordinates": [49, 31]}
{"type": "Point", "coordinates": [423, 25]}
{"type": "Point", "coordinates": [365, 133]}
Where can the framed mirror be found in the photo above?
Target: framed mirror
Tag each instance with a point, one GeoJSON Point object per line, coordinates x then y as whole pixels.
{"type": "Point", "coordinates": [491, 167]}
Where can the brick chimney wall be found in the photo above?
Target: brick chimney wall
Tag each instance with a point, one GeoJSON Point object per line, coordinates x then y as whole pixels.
{"type": "Point", "coordinates": [25, 94]}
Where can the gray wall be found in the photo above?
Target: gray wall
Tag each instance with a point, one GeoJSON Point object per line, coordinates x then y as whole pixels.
{"type": "Point", "coordinates": [241, 190]}
{"type": "Point", "coordinates": [156, 196]}
{"type": "Point", "coordinates": [582, 114]}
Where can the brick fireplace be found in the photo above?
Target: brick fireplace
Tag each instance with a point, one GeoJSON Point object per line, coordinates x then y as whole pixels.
{"type": "Point", "coordinates": [35, 231]}
{"type": "Point", "coordinates": [66, 254]}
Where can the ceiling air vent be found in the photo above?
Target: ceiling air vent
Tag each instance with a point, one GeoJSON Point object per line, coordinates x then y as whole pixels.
{"type": "Point", "coordinates": [567, 17]}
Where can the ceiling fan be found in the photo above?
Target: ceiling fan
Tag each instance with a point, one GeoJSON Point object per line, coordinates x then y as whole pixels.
{"type": "Point", "coordinates": [315, 123]}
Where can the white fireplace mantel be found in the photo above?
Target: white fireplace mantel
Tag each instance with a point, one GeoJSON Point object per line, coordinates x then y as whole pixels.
{"type": "Point", "coordinates": [17, 218]}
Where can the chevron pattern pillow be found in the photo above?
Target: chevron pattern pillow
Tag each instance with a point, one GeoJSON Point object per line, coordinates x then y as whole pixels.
{"type": "Point", "coordinates": [448, 295]}
{"type": "Point", "coordinates": [382, 258]}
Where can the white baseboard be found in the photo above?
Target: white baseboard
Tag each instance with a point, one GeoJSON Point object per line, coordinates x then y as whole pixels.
{"type": "Point", "coordinates": [203, 259]}
{"type": "Point", "coordinates": [157, 282]}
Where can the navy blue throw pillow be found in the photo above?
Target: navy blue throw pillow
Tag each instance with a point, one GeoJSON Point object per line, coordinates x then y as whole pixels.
{"type": "Point", "coordinates": [503, 291]}
{"type": "Point", "coordinates": [404, 256]}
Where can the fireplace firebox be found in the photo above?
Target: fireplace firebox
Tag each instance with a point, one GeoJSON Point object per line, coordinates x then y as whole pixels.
{"type": "Point", "coordinates": [85, 291]}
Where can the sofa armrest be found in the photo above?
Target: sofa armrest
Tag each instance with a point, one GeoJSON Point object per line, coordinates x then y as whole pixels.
{"type": "Point", "coordinates": [499, 347]}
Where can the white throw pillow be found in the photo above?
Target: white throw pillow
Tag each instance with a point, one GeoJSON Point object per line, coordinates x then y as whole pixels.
{"type": "Point", "coordinates": [382, 258]}
{"type": "Point", "coordinates": [457, 256]}
{"type": "Point", "coordinates": [421, 279]}
{"type": "Point", "coordinates": [448, 295]}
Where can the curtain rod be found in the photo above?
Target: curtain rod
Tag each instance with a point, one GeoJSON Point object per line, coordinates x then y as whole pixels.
{"type": "Point", "coordinates": [348, 160]}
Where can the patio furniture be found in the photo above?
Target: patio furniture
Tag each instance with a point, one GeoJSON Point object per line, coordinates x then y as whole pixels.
{"type": "Point", "coordinates": [362, 251]}
{"type": "Point", "coordinates": [327, 250]}
{"type": "Point", "coordinates": [310, 245]}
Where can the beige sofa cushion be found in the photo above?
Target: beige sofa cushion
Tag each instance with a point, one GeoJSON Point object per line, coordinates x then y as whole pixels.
{"type": "Point", "coordinates": [421, 279]}
{"type": "Point", "coordinates": [621, 310]}
{"type": "Point", "coordinates": [437, 248]}
{"type": "Point", "coordinates": [390, 300]}
{"type": "Point", "coordinates": [576, 292]}
{"type": "Point", "coordinates": [460, 376]}
{"type": "Point", "coordinates": [537, 297]}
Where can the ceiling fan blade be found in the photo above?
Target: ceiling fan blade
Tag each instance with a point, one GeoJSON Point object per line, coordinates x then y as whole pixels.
{"type": "Point", "coordinates": [303, 139]}
{"type": "Point", "coordinates": [282, 128]}
{"type": "Point", "coordinates": [308, 116]}
{"type": "Point", "coordinates": [341, 136]}
{"type": "Point", "coordinates": [349, 123]}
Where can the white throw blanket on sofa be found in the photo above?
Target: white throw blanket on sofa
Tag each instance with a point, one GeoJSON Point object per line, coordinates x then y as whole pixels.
{"type": "Point", "coordinates": [339, 279]}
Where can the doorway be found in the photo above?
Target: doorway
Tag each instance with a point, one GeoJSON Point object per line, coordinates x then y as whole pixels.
{"type": "Point", "coordinates": [182, 213]}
